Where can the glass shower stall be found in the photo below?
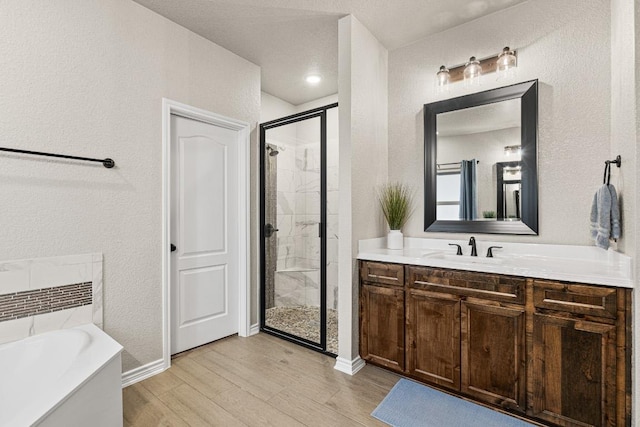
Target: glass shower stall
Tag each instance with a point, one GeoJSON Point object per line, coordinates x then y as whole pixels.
{"type": "Point", "coordinates": [299, 228]}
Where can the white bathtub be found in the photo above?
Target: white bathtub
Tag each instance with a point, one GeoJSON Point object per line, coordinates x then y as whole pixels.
{"type": "Point", "coordinates": [71, 377]}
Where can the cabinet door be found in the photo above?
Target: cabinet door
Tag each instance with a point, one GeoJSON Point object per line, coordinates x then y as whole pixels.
{"type": "Point", "coordinates": [493, 354]}
{"type": "Point", "coordinates": [382, 326]}
{"type": "Point", "coordinates": [574, 371]}
{"type": "Point", "coordinates": [433, 331]}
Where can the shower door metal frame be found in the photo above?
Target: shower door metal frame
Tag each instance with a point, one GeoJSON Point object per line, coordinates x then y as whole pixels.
{"type": "Point", "coordinates": [320, 112]}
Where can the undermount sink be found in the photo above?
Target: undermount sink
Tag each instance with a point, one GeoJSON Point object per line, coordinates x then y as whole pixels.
{"type": "Point", "coordinates": [465, 259]}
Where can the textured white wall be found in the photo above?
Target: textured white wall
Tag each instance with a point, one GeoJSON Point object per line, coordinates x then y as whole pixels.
{"type": "Point", "coordinates": [272, 107]}
{"type": "Point", "coordinates": [87, 77]}
{"type": "Point", "coordinates": [563, 44]}
{"type": "Point", "coordinates": [363, 65]}
{"type": "Point", "coordinates": [625, 129]}
{"type": "Point", "coordinates": [623, 117]}
{"type": "Point", "coordinates": [634, 142]}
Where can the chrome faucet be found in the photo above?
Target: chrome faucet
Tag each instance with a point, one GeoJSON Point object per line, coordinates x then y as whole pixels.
{"type": "Point", "coordinates": [472, 243]}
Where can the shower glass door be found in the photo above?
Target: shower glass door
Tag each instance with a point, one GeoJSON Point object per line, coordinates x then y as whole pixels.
{"type": "Point", "coordinates": [293, 227]}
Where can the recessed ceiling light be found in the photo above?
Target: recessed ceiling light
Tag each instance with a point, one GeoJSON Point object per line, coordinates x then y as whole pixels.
{"type": "Point", "coordinates": [313, 79]}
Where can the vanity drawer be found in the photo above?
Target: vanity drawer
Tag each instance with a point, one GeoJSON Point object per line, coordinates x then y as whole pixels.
{"type": "Point", "coordinates": [468, 283]}
{"type": "Point", "coordinates": [383, 273]}
{"type": "Point", "coordinates": [579, 299]}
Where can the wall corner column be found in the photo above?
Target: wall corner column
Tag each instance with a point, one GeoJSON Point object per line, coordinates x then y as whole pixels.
{"type": "Point", "coordinates": [363, 97]}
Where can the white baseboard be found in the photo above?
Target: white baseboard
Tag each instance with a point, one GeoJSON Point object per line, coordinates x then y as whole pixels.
{"type": "Point", "coordinates": [347, 366]}
{"type": "Point", "coordinates": [143, 372]}
{"type": "Point", "coordinates": [254, 329]}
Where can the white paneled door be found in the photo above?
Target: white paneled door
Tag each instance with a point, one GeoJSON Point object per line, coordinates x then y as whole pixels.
{"type": "Point", "coordinates": [204, 233]}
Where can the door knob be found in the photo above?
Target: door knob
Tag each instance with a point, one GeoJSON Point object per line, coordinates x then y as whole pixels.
{"type": "Point", "coordinates": [173, 247]}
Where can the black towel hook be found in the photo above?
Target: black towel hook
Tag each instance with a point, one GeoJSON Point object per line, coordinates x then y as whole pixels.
{"type": "Point", "coordinates": [617, 161]}
{"type": "Point", "coordinates": [606, 179]}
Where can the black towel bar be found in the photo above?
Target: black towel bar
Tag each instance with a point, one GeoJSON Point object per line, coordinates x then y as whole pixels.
{"type": "Point", "coordinates": [107, 163]}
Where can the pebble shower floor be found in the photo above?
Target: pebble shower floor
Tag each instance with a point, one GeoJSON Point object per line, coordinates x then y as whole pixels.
{"type": "Point", "coordinates": [304, 322]}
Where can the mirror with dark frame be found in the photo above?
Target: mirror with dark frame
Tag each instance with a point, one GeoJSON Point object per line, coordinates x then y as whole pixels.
{"type": "Point", "coordinates": [481, 162]}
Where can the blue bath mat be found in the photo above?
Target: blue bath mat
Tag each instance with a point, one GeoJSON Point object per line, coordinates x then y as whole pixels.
{"type": "Point", "coordinates": [410, 404]}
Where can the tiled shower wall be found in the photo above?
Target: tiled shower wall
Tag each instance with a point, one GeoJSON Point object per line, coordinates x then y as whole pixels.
{"type": "Point", "coordinates": [307, 206]}
{"type": "Point", "coordinates": [45, 294]}
{"type": "Point", "coordinates": [332, 208]}
{"type": "Point", "coordinates": [298, 183]}
{"type": "Point", "coordinates": [286, 184]}
{"type": "Point", "coordinates": [297, 275]}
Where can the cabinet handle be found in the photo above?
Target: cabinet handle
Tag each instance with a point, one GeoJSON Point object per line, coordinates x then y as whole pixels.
{"type": "Point", "coordinates": [375, 276]}
{"type": "Point", "coordinates": [470, 289]}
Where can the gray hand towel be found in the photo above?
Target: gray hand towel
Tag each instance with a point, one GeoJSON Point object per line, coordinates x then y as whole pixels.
{"type": "Point", "coordinates": [615, 214]}
{"type": "Point", "coordinates": [605, 216]}
{"type": "Point", "coordinates": [594, 215]}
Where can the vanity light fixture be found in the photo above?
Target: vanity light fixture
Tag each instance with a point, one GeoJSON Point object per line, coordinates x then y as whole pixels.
{"type": "Point", "coordinates": [504, 64]}
{"type": "Point", "coordinates": [512, 150]}
{"type": "Point", "coordinates": [506, 61]}
{"type": "Point", "coordinates": [443, 76]}
{"type": "Point", "coordinates": [472, 72]}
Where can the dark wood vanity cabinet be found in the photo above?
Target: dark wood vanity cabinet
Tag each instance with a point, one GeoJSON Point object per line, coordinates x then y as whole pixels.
{"type": "Point", "coordinates": [554, 352]}
{"type": "Point", "coordinates": [579, 371]}
{"type": "Point", "coordinates": [382, 315]}
{"type": "Point", "coordinates": [466, 332]}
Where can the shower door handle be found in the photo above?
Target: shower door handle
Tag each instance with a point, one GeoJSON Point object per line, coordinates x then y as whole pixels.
{"type": "Point", "coordinates": [269, 230]}
{"type": "Point", "coordinates": [320, 230]}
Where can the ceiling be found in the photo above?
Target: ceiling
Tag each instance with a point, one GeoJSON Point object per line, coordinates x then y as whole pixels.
{"type": "Point", "coordinates": [290, 39]}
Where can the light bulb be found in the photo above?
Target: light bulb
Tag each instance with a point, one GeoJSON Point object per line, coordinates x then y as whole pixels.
{"type": "Point", "coordinates": [313, 79]}
{"type": "Point", "coordinates": [507, 62]}
{"type": "Point", "coordinates": [472, 72]}
{"type": "Point", "coordinates": [443, 76]}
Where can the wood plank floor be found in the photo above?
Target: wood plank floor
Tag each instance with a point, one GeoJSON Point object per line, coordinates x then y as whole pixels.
{"type": "Point", "coordinates": [256, 381]}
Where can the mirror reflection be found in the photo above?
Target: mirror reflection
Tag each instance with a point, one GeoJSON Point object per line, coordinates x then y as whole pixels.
{"type": "Point", "coordinates": [471, 143]}
{"type": "Point", "coordinates": [509, 190]}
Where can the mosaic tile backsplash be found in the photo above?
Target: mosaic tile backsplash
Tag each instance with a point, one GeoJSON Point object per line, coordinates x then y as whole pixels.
{"type": "Point", "coordinates": [29, 303]}
{"type": "Point", "coordinates": [46, 294]}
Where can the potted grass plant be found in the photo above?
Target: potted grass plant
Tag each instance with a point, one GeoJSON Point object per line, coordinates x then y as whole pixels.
{"type": "Point", "coordinates": [396, 201]}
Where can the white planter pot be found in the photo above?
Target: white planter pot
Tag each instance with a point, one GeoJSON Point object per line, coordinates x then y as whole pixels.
{"type": "Point", "coordinates": [395, 239]}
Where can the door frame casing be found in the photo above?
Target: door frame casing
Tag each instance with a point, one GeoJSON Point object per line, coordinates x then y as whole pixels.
{"type": "Point", "coordinates": [170, 107]}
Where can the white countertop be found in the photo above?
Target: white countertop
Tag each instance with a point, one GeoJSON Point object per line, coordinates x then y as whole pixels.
{"type": "Point", "coordinates": [582, 264]}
